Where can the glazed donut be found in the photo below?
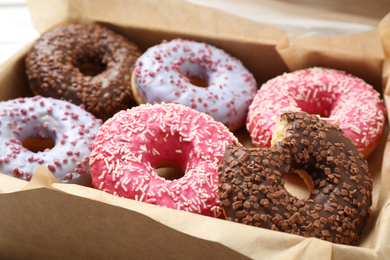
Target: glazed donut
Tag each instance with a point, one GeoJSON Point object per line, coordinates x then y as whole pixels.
{"type": "Point", "coordinates": [130, 147]}
{"type": "Point", "coordinates": [37, 131]}
{"type": "Point", "coordinates": [63, 62]}
{"type": "Point", "coordinates": [337, 97]}
{"type": "Point", "coordinates": [252, 185]}
{"type": "Point", "coordinates": [197, 75]}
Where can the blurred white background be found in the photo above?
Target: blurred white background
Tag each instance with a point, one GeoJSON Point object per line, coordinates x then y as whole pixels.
{"type": "Point", "coordinates": [16, 28]}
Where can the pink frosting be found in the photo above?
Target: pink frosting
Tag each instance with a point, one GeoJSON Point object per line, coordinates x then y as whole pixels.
{"type": "Point", "coordinates": [130, 145]}
{"type": "Point", "coordinates": [334, 95]}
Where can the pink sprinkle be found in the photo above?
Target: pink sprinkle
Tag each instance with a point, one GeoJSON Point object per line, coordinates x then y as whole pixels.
{"type": "Point", "coordinates": [51, 167]}
{"type": "Point", "coordinates": [58, 163]}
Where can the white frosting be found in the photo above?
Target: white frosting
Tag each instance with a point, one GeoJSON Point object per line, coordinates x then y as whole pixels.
{"type": "Point", "coordinates": [72, 129]}
{"type": "Point", "coordinates": [161, 76]}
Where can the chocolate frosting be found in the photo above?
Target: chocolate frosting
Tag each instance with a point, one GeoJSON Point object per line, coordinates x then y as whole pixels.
{"type": "Point", "coordinates": [251, 182]}
{"type": "Point", "coordinates": [53, 67]}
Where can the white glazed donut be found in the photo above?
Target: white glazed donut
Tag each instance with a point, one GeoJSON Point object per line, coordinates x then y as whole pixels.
{"type": "Point", "coordinates": [164, 73]}
{"type": "Point", "coordinates": [70, 128]}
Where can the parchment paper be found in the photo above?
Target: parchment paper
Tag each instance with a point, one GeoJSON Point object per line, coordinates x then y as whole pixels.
{"type": "Point", "coordinates": [44, 218]}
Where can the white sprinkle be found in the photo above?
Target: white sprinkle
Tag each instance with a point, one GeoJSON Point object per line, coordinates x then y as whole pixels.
{"type": "Point", "coordinates": [101, 177]}
{"type": "Point", "coordinates": [142, 197]}
{"type": "Point", "coordinates": [124, 187]}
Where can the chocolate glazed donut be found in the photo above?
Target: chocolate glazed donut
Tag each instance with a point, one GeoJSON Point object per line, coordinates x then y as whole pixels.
{"type": "Point", "coordinates": [252, 191]}
{"type": "Point", "coordinates": [86, 65]}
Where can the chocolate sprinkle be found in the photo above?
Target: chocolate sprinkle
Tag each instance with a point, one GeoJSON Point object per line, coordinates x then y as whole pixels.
{"type": "Point", "coordinates": [53, 67]}
{"type": "Point", "coordinates": [339, 205]}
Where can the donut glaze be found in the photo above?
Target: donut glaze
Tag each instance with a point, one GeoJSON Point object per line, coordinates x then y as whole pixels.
{"type": "Point", "coordinates": [252, 191]}
{"type": "Point", "coordinates": [163, 72]}
{"type": "Point", "coordinates": [130, 146]}
{"type": "Point", "coordinates": [70, 127]}
{"type": "Point", "coordinates": [337, 97]}
{"type": "Point", "coordinates": [55, 67]}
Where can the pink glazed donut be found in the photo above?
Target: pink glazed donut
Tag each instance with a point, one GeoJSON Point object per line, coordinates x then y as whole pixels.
{"type": "Point", "coordinates": [131, 145]}
{"type": "Point", "coordinates": [337, 97]}
{"type": "Point", "coordinates": [197, 75]}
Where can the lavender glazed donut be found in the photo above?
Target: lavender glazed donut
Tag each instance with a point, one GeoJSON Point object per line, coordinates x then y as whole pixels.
{"type": "Point", "coordinates": [44, 131]}
{"type": "Point", "coordinates": [171, 72]}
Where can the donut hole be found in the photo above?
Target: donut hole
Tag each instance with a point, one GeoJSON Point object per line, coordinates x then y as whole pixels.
{"type": "Point", "coordinates": [92, 68]}
{"type": "Point", "coordinates": [198, 81]}
{"type": "Point", "coordinates": [169, 170]}
{"type": "Point", "coordinates": [315, 106]}
{"type": "Point", "coordinates": [299, 184]}
{"type": "Point", "coordinates": [195, 74]}
{"type": "Point", "coordinates": [38, 144]}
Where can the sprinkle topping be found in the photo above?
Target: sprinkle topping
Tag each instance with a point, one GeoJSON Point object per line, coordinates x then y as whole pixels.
{"type": "Point", "coordinates": [40, 117]}
{"type": "Point", "coordinates": [163, 72]}
{"type": "Point", "coordinates": [130, 145]}
{"type": "Point", "coordinates": [251, 182]}
{"type": "Point", "coordinates": [54, 67]}
{"type": "Point", "coordinates": [337, 97]}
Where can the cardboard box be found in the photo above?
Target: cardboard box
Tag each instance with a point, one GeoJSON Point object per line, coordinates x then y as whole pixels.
{"type": "Point", "coordinates": [46, 219]}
